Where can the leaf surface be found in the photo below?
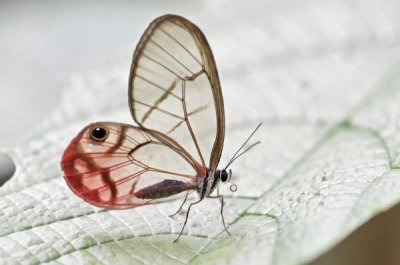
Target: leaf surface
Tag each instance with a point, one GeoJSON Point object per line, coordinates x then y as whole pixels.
{"type": "Point", "coordinates": [322, 76]}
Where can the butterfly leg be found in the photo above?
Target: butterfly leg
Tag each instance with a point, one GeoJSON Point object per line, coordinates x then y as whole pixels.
{"type": "Point", "coordinates": [180, 208]}
{"type": "Point", "coordinates": [187, 216]}
{"type": "Point", "coordinates": [221, 199]}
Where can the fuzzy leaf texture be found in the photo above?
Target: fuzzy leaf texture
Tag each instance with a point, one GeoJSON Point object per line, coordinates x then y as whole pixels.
{"type": "Point", "coordinates": [322, 76]}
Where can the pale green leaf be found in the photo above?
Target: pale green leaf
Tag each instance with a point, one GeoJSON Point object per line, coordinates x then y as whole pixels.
{"type": "Point", "coordinates": [322, 76]}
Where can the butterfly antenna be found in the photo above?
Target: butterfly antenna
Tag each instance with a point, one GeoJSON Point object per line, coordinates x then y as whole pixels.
{"type": "Point", "coordinates": [237, 155]}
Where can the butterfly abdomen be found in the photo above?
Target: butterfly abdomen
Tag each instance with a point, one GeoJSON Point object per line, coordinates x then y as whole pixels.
{"type": "Point", "coordinates": [165, 188]}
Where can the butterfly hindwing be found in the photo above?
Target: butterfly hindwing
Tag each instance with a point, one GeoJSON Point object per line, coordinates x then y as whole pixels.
{"type": "Point", "coordinates": [130, 167]}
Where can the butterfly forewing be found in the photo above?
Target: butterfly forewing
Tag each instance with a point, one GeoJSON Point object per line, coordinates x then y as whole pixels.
{"type": "Point", "coordinates": [129, 168]}
{"type": "Point", "coordinates": [174, 88]}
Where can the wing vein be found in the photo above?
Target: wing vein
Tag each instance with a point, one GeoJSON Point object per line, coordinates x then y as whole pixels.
{"type": "Point", "coordinates": [170, 172]}
{"type": "Point", "coordinates": [159, 109]}
{"type": "Point", "coordinates": [107, 144]}
{"type": "Point", "coordinates": [159, 100]}
{"type": "Point", "coordinates": [189, 126]}
{"type": "Point", "coordinates": [157, 86]}
{"type": "Point", "coordinates": [170, 55]}
{"type": "Point", "coordinates": [190, 114]}
{"type": "Point", "coordinates": [162, 65]}
{"type": "Point", "coordinates": [183, 46]}
{"type": "Point", "coordinates": [121, 181]}
{"type": "Point", "coordinates": [101, 170]}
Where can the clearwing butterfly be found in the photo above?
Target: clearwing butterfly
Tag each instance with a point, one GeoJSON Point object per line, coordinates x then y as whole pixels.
{"type": "Point", "coordinates": [175, 98]}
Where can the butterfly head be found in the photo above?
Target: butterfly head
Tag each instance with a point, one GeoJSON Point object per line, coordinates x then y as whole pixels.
{"type": "Point", "coordinates": [225, 176]}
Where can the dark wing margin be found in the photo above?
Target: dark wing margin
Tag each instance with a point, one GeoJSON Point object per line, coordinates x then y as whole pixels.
{"type": "Point", "coordinates": [174, 88]}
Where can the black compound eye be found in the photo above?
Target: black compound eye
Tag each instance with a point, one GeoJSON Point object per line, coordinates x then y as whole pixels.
{"type": "Point", "coordinates": [99, 133]}
{"type": "Point", "coordinates": [224, 176]}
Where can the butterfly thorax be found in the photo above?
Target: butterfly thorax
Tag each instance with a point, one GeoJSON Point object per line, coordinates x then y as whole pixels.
{"type": "Point", "coordinates": [208, 184]}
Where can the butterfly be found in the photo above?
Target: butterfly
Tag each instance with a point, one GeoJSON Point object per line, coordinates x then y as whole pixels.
{"type": "Point", "coordinates": [175, 99]}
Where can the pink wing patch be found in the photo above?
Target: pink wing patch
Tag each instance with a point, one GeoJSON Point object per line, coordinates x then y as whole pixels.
{"type": "Point", "coordinates": [118, 166]}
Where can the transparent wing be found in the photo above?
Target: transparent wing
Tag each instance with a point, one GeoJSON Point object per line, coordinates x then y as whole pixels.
{"type": "Point", "coordinates": [174, 88]}
{"type": "Point", "coordinates": [130, 167]}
